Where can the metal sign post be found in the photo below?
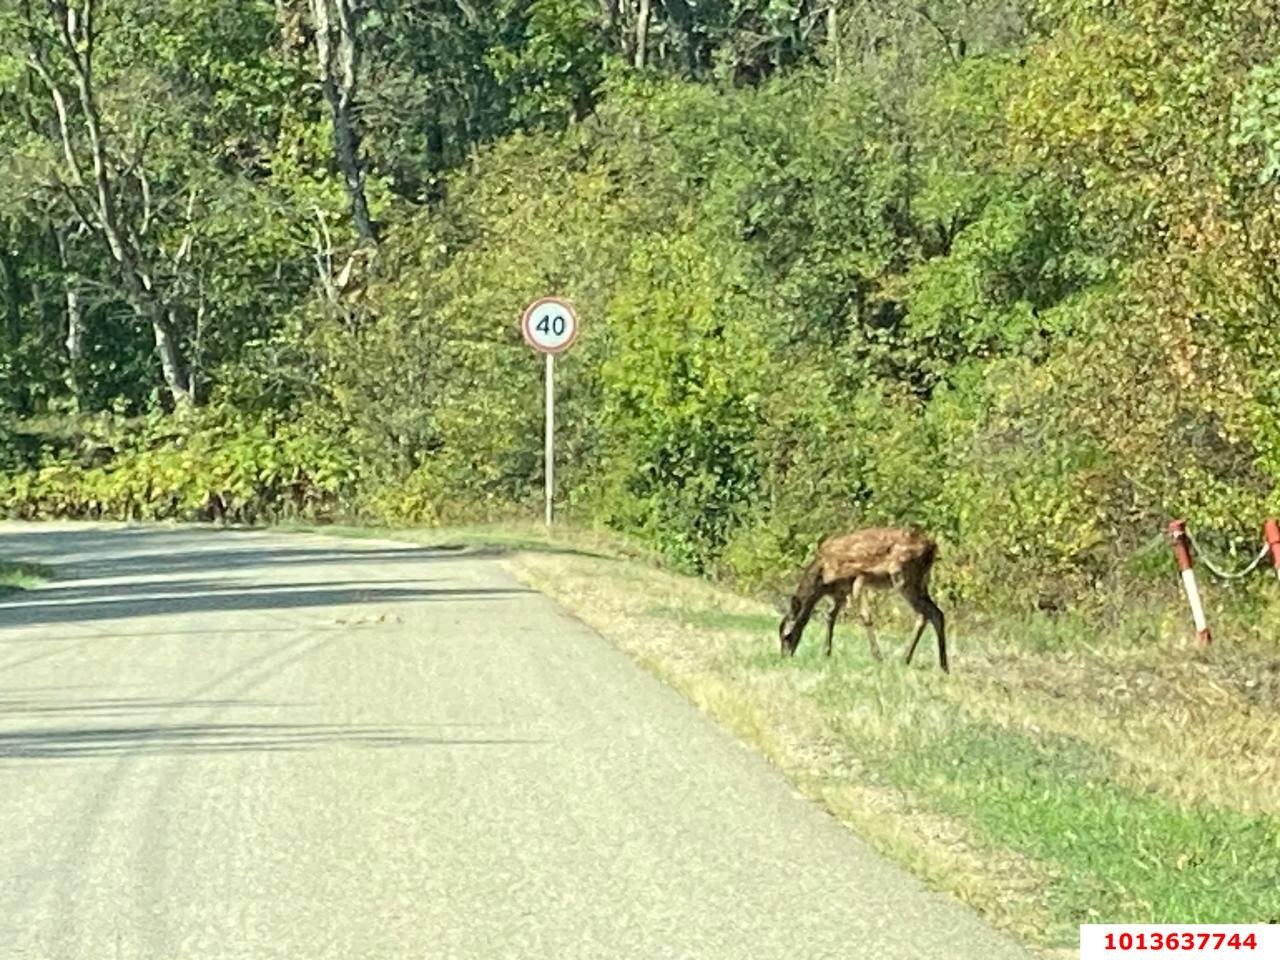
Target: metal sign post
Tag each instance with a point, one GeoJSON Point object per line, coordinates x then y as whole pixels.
{"type": "Point", "coordinates": [550, 326]}
{"type": "Point", "coordinates": [549, 454]}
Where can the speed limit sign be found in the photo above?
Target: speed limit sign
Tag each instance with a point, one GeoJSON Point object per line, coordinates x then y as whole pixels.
{"type": "Point", "coordinates": [550, 325]}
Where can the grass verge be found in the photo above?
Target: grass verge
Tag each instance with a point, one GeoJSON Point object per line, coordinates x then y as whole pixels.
{"type": "Point", "coordinates": [20, 576]}
{"type": "Point", "coordinates": [1056, 777]}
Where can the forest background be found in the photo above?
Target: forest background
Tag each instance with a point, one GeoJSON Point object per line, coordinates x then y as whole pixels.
{"type": "Point", "coordinates": [1006, 269]}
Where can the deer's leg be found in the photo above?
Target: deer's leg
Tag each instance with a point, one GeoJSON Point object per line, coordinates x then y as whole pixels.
{"type": "Point", "coordinates": [864, 614]}
{"type": "Point", "coordinates": [930, 613]}
{"type": "Point", "coordinates": [838, 598]}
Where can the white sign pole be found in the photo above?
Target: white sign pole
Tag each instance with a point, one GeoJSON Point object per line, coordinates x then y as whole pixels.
{"type": "Point", "coordinates": [551, 430]}
{"type": "Point", "coordinates": [550, 326]}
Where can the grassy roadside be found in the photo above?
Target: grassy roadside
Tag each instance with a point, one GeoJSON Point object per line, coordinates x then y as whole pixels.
{"type": "Point", "coordinates": [1055, 778]}
{"type": "Point", "coordinates": [20, 576]}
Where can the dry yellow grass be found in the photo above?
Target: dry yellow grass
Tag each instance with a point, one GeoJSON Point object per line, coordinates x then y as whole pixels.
{"type": "Point", "coordinates": [1199, 731]}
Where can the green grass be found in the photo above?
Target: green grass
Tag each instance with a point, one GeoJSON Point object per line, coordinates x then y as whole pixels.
{"type": "Point", "coordinates": [1117, 850]}
{"type": "Point", "coordinates": [1116, 846]}
{"type": "Point", "coordinates": [1059, 775]}
{"type": "Point", "coordinates": [21, 576]}
{"type": "Point", "coordinates": [717, 619]}
{"type": "Point", "coordinates": [1067, 771]}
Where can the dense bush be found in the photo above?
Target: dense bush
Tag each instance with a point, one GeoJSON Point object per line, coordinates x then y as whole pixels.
{"type": "Point", "coordinates": [215, 466]}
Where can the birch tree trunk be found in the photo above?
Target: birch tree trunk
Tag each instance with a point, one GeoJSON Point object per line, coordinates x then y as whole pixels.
{"type": "Point", "coordinates": [642, 33]}
{"type": "Point", "coordinates": [74, 341]}
{"type": "Point", "coordinates": [93, 195]}
{"type": "Point", "coordinates": [338, 52]}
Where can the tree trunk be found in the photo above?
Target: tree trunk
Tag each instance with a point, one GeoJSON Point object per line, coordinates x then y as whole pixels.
{"type": "Point", "coordinates": [175, 373]}
{"type": "Point", "coordinates": [679, 13]}
{"type": "Point", "coordinates": [833, 39]}
{"type": "Point", "coordinates": [642, 34]}
{"type": "Point", "coordinates": [196, 366]}
{"type": "Point", "coordinates": [609, 14]}
{"type": "Point", "coordinates": [74, 341]}
{"type": "Point", "coordinates": [339, 52]}
{"type": "Point", "coordinates": [94, 196]}
{"type": "Point", "coordinates": [13, 298]}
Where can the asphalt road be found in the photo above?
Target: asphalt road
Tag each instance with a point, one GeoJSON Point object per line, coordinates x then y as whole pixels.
{"type": "Point", "coordinates": [244, 745]}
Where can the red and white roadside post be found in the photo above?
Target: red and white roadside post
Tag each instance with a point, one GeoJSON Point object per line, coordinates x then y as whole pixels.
{"type": "Point", "coordinates": [1271, 531]}
{"type": "Point", "coordinates": [1182, 553]}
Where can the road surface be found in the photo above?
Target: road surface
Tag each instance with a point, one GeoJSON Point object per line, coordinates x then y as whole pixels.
{"type": "Point", "coordinates": [248, 745]}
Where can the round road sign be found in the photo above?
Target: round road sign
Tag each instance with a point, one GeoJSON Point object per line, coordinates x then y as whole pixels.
{"type": "Point", "coordinates": [550, 325]}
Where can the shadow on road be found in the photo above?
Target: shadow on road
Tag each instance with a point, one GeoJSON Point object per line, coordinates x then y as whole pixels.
{"type": "Point", "coordinates": [124, 574]}
{"type": "Point", "coordinates": [158, 572]}
{"type": "Point", "coordinates": [118, 601]}
{"type": "Point", "coordinates": [147, 740]}
{"type": "Point", "coordinates": [119, 725]}
{"type": "Point", "coordinates": [144, 551]}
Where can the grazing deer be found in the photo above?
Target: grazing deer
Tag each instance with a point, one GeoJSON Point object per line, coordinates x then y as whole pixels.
{"type": "Point", "coordinates": [880, 558]}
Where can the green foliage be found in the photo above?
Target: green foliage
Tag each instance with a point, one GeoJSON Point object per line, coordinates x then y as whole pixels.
{"type": "Point", "coordinates": [554, 65]}
{"type": "Point", "coordinates": [1000, 269]}
{"type": "Point", "coordinates": [218, 466]}
{"type": "Point", "coordinates": [682, 390]}
{"type": "Point", "coordinates": [21, 576]}
{"type": "Point", "coordinates": [1121, 851]}
{"type": "Point", "coordinates": [1257, 119]}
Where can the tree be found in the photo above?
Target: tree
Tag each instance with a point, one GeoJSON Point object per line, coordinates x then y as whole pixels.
{"type": "Point", "coordinates": [339, 52]}
{"type": "Point", "coordinates": [102, 179]}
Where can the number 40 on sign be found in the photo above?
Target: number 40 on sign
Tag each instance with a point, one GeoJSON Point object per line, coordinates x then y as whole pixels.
{"type": "Point", "coordinates": [550, 326]}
